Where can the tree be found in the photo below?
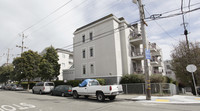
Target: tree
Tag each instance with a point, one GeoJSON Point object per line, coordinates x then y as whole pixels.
{"type": "Point", "coordinates": [5, 72]}
{"type": "Point", "coordinates": [27, 66]}
{"type": "Point", "coordinates": [181, 57]}
{"type": "Point", "coordinates": [52, 57]}
{"type": "Point", "coordinates": [46, 70]}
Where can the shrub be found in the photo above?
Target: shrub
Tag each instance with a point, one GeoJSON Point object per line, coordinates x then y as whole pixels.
{"type": "Point", "coordinates": [73, 83]}
{"type": "Point", "coordinates": [156, 78]}
{"type": "Point", "coordinates": [132, 78]}
{"type": "Point", "coordinates": [59, 83]}
{"type": "Point", "coordinates": [25, 85]}
{"type": "Point", "coordinates": [101, 81]}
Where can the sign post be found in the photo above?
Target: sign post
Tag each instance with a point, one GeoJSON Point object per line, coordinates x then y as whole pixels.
{"type": "Point", "coordinates": [192, 68]}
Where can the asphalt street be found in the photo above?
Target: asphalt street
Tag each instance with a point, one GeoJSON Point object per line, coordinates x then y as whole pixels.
{"type": "Point", "coordinates": [26, 101]}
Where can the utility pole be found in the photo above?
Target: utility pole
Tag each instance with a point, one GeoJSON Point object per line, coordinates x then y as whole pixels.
{"type": "Point", "coordinates": [184, 26]}
{"type": "Point", "coordinates": [22, 46]}
{"type": "Point", "coordinates": [8, 56]}
{"type": "Point", "coordinates": [145, 48]}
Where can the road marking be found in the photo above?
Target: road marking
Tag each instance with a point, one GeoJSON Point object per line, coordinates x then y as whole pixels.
{"type": "Point", "coordinates": [162, 100]}
{"type": "Point", "coordinates": [14, 107]}
{"type": "Point", "coordinates": [197, 98]}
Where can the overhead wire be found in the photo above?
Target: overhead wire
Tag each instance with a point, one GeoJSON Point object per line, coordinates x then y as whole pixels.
{"type": "Point", "coordinates": [47, 16]}
{"type": "Point", "coordinates": [59, 16]}
{"type": "Point", "coordinates": [161, 26]}
{"type": "Point", "coordinates": [172, 15]}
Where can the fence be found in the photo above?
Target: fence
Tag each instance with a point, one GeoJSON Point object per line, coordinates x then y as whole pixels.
{"type": "Point", "coordinates": [156, 88]}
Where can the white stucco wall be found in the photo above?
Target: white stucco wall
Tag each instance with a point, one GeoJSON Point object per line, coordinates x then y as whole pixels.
{"type": "Point", "coordinates": [65, 62]}
{"type": "Point", "coordinates": [105, 58]}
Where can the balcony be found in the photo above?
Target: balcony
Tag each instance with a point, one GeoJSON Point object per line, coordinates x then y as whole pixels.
{"type": "Point", "coordinates": [135, 39]}
{"type": "Point", "coordinates": [138, 71]}
{"type": "Point", "coordinates": [156, 72]}
{"type": "Point", "coordinates": [137, 55]}
{"type": "Point", "coordinates": [153, 47]}
{"type": "Point", "coordinates": [154, 62]}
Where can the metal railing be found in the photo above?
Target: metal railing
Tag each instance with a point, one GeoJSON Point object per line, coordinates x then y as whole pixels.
{"type": "Point", "coordinates": [156, 88]}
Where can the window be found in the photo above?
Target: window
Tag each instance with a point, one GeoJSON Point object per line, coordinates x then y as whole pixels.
{"type": "Point", "coordinates": [91, 68]}
{"type": "Point", "coordinates": [63, 64]}
{"type": "Point", "coordinates": [168, 66]}
{"type": "Point", "coordinates": [91, 36]}
{"type": "Point", "coordinates": [91, 52]}
{"type": "Point", "coordinates": [84, 69]}
{"type": "Point", "coordinates": [83, 53]}
{"type": "Point", "coordinates": [83, 38]}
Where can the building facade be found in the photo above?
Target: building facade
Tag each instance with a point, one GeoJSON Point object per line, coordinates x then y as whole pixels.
{"type": "Point", "coordinates": [110, 47]}
{"type": "Point", "coordinates": [169, 72]}
{"type": "Point", "coordinates": [65, 61]}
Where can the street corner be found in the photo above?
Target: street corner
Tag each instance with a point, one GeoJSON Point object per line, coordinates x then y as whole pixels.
{"type": "Point", "coordinates": [176, 99]}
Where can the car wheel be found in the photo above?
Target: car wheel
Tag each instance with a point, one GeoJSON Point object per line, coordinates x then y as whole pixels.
{"type": "Point", "coordinates": [112, 97]}
{"type": "Point", "coordinates": [75, 95]}
{"type": "Point", "coordinates": [63, 94]}
{"type": "Point", "coordinates": [33, 91]}
{"type": "Point", "coordinates": [40, 92]}
{"type": "Point", "coordinates": [51, 93]}
{"type": "Point", "coordinates": [100, 97]}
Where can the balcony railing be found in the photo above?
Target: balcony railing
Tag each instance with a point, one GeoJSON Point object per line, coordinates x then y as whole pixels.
{"type": "Point", "coordinates": [156, 72]}
{"type": "Point", "coordinates": [138, 71]}
{"type": "Point", "coordinates": [154, 46]}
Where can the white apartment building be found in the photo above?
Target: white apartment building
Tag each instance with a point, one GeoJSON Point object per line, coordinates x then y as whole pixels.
{"type": "Point", "coordinates": [65, 61]}
{"type": "Point", "coordinates": [169, 72]}
{"type": "Point", "coordinates": [110, 47]}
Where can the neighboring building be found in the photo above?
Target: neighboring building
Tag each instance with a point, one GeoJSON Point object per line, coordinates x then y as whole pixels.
{"type": "Point", "coordinates": [169, 72]}
{"type": "Point", "coordinates": [65, 61]}
{"type": "Point", "coordinates": [157, 65]}
{"type": "Point", "coordinates": [110, 47]}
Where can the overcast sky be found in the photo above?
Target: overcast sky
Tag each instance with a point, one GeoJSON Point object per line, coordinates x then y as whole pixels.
{"type": "Point", "coordinates": [56, 29]}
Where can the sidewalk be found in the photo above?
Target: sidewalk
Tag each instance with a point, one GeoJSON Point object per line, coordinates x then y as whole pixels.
{"type": "Point", "coordinates": [176, 99]}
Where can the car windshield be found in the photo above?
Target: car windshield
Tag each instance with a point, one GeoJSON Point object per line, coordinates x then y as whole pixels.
{"type": "Point", "coordinates": [49, 84]}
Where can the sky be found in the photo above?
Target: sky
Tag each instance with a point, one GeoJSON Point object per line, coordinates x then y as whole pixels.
{"type": "Point", "coordinates": [44, 23]}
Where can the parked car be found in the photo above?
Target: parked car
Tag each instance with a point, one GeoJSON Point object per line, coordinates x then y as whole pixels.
{"type": "Point", "coordinates": [17, 87]}
{"type": "Point", "coordinates": [43, 87]}
{"type": "Point", "coordinates": [62, 90]}
{"type": "Point", "coordinates": [91, 87]}
{"type": "Point", "coordinates": [9, 86]}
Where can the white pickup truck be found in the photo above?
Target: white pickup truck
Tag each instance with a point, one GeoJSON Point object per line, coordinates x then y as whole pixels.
{"type": "Point", "coordinates": [91, 87]}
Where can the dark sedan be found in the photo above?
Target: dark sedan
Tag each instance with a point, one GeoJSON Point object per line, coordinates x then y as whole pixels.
{"type": "Point", "coordinates": [62, 90]}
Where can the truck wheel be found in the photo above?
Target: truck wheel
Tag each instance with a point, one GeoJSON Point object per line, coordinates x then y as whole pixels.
{"type": "Point", "coordinates": [100, 97]}
{"type": "Point", "coordinates": [75, 95]}
{"type": "Point", "coordinates": [112, 97]}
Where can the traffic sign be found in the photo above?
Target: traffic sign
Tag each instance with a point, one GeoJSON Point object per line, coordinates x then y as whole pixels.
{"type": "Point", "coordinates": [191, 68]}
{"type": "Point", "coordinates": [148, 54]}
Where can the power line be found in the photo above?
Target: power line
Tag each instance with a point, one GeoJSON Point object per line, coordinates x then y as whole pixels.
{"type": "Point", "coordinates": [46, 16]}
{"type": "Point", "coordinates": [95, 37]}
{"type": "Point", "coordinates": [59, 16]}
{"type": "Point", "coordinates": [161, 26]}
{"type": "Point", "coordinates": [172, 15]}
{"type": "Point", "coordinates": [77, 43]}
